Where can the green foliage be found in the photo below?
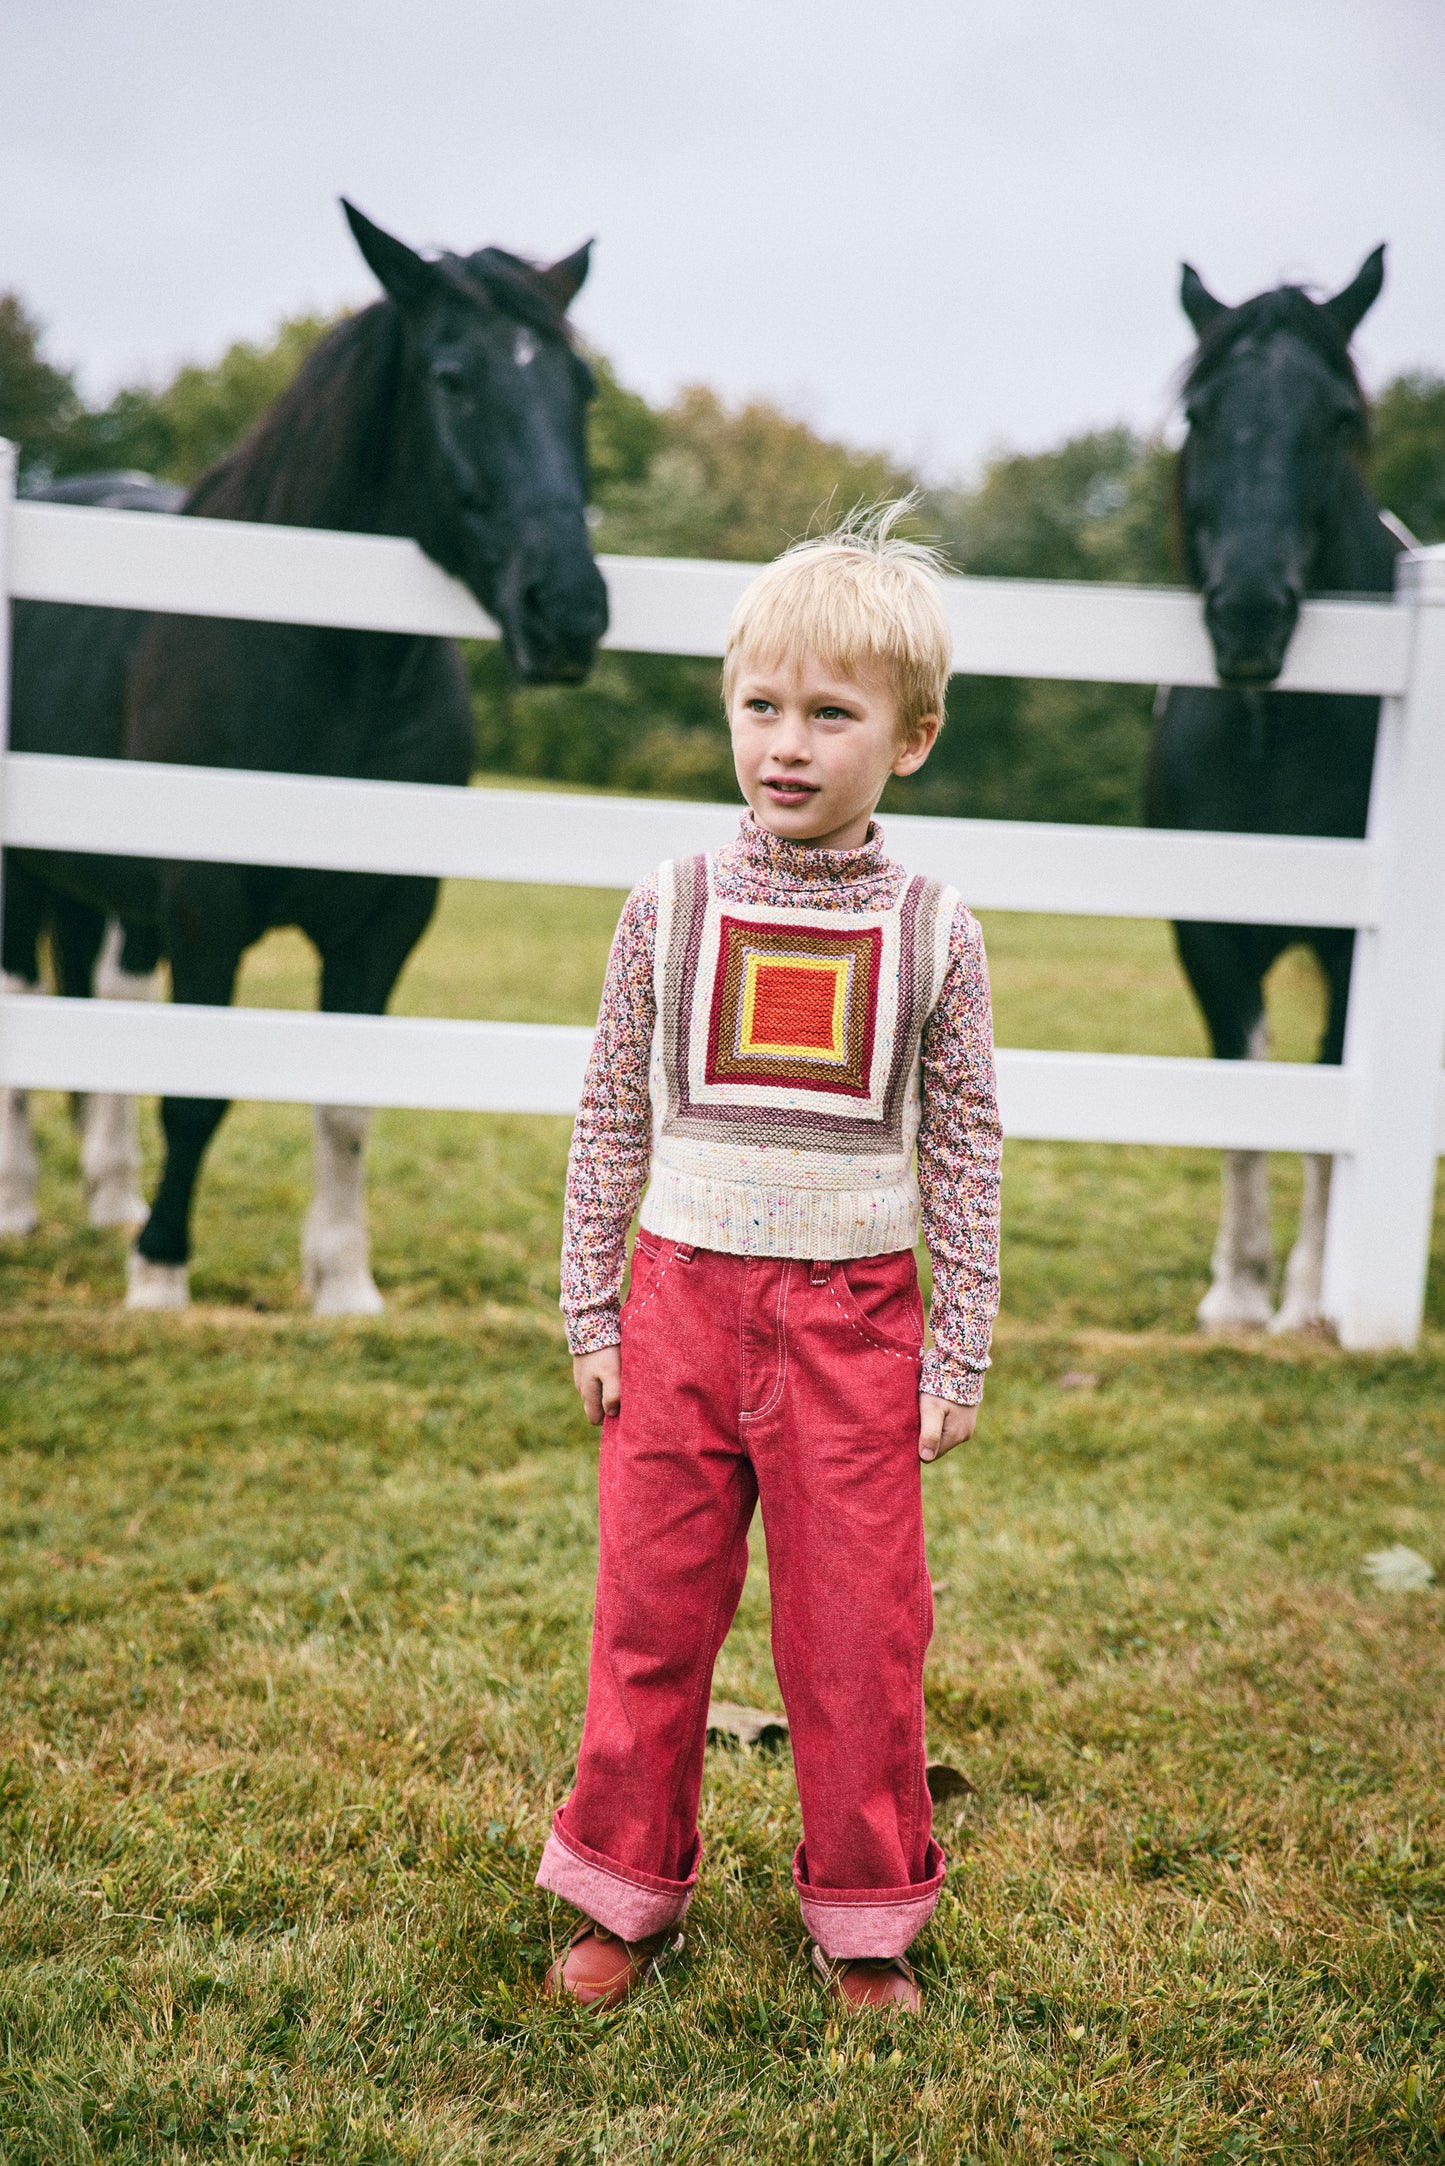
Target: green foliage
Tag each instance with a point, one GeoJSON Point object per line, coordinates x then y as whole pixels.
{"type": "Point", "coordinates": [738, 483]}
{"type": "Point", "coordinates": [1034, 749]}
{"type": "Point", "coordinates": [1407, 459]}
{"type": "Point", "coordinates": [184, 427]}
{"type": "Point", "coordinates": [644, 723]}
{"type": "Point", "coordinates": [624, 435]}
{"type": "Point", "coordinates": [39, 404]}
{"type": "Point", "coordinates": [1097, 508]}
{"type": "Point", "coordinates": [175, 430]}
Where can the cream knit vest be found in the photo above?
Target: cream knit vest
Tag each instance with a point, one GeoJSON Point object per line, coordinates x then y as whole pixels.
{"type": "Point", "coordinates": [785, 1068]}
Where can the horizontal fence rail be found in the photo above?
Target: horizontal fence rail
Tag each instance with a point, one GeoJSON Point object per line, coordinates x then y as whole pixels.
{"type": "Point", "coordinates": [660, 605]}
{"type": "Point", "coordinates": [223, 816]}
{"type": "Point", "coordinates": [287, 1055]}
{"type": "Point", "coordinates": [1388, 887]}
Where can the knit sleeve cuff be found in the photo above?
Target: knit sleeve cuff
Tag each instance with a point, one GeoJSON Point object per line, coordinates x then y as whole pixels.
{"type": "Point", "coordinates": [957, 1381]}
{"type": "Point", "coordinates": [590, 1330]}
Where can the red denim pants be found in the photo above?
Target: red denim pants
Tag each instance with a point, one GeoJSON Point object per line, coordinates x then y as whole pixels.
{"type": "Point", "coordinates": [795, 1385]}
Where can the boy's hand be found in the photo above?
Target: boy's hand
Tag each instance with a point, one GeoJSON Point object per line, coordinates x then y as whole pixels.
{"type": "Point", "coordinates": [598, 1378]}
{"type": "Point", "coordinates": [941, 1425]}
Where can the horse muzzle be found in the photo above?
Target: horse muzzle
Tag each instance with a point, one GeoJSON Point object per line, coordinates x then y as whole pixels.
{"type": "Point", "coordinates": [552, 609]}
{"type": "Point", "coordinates": [1250, 630]}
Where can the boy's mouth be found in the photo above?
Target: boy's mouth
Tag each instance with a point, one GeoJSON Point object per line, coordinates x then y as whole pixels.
{"type": "Point", "coordinates": [784, 790]}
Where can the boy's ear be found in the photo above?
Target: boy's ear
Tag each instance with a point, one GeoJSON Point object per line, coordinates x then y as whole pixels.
{"type": "Point", "coordinates": [916, 747]}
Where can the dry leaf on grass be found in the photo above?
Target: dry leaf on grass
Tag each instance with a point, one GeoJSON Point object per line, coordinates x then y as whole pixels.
{"type": "Point", "coordinates": [1078, 1380]}
{"type": "Point", "coordinates": [945, 1782]}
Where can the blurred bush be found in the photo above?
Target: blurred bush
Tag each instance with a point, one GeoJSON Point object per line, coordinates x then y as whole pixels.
{"type": "Point", "coordinates": [1407, 452]}
{"type": "Point", "coordinates": [700, 478]}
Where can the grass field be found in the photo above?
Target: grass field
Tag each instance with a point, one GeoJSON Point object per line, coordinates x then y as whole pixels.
{"type": "Point", "coordinates": [295, 1621]}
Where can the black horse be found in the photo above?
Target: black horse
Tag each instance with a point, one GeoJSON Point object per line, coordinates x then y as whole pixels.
{"type": "Point", "coordinates": [453, 411]}
{"type": "Point", "coordinates": [1272, 508]}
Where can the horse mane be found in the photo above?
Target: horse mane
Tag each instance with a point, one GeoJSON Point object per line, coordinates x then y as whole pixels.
{"type": "Point", "coordinates": [1286, 308]}
{"type": "Point", "coordinates": [317, 456]}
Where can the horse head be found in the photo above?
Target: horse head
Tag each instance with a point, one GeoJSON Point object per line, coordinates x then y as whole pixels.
{"type": "Point", "coordinates": [494, 440]}
{"type": "Point", "coordinates": [1276, 419]}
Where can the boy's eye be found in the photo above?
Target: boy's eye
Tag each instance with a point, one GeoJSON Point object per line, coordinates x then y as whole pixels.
{"type": "Point", "coordinates": [834, 714]}
{"type": "Point", "coordinates": [758, 706]}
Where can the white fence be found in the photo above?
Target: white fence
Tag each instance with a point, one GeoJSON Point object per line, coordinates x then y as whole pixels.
{"type": "Point", "coordinates": [1382, 1114]}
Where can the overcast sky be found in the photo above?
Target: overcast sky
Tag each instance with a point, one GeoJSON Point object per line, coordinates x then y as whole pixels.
{"type": "Point", "coordinates": [937, 226]}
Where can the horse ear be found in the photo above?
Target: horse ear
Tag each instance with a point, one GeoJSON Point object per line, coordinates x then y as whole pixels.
{"type": "Point", "coordinates": [1197, 302]}
{"type": "Point", "coordinates": [563, 279]}
{"type": "Point", "coordinates": [1353, 302]}
{"type": "Point", "coordinates": [407, 277]}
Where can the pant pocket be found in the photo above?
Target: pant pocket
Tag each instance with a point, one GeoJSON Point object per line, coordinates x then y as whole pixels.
{"type": "Point", "coordinates": [879, 1296]}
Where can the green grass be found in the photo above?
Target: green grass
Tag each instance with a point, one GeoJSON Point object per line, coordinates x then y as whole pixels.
{"type": "Point", "coordinates": [294, 1631]}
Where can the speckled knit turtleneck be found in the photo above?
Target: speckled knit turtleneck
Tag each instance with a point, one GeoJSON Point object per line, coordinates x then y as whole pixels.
{"type": "Point", "coordinates": [781, 1028]}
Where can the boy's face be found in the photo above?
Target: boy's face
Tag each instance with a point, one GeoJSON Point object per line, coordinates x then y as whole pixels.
{"type": "Point", "coordinates": [813, 749]}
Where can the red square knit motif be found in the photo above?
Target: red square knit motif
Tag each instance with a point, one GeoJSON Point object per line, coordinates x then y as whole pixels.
{"type": "Point", "coordinates": [794, 1005]}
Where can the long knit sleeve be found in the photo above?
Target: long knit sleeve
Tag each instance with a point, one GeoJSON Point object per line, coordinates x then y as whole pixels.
{"type": "Point", "coordinates": [958, 1171]}
{"type": "Point", "coordinates": [612, 1138]}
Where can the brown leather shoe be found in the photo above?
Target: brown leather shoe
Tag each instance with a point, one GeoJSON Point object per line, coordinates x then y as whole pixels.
{"type": "Point", "coordinates": [601, 1971]}
{"type": "Point", "coordinates": [859, 1982]}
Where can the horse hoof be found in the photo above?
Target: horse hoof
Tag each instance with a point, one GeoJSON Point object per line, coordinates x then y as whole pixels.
{"type": "Point", "coordinates": [1296, 1316]}
{"type": "Point", "coordinates": [156, 1285]}
{"type": "Point", "coordinates": [1235, 1306]}
{"type": "Point", "coordinates": [116, 1204]}
{"type": "Point", "coordinates": [354, 1295]}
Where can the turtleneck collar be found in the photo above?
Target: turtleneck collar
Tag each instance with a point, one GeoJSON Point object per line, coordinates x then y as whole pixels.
{"type": "Point", "coordinates": [798, 867]}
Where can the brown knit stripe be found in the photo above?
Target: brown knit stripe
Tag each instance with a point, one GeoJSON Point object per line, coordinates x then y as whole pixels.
{"type": "Point", "coordinates": [686, 879]}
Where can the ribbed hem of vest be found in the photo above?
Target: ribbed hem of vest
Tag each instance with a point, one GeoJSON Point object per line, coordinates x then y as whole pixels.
{"type": "Point", "coordinates": [831, 1224]}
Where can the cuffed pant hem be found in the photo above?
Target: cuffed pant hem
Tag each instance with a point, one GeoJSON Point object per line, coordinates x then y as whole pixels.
{"type": "Point", "coordinates": [873, 1923]}
{"type": "Point", "coordinates": [631, 1905]}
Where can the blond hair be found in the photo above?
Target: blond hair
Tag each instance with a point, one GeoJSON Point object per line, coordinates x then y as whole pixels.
{"type": "Point", "coordinates": [858, 598]}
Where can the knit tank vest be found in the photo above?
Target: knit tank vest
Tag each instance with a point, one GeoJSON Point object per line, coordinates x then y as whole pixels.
{"type": "Point", "coordinates": [785, 1068]}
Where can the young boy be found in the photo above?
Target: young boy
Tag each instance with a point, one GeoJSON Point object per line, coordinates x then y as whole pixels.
{"type": "Point", "coordinates": [782, 1022]}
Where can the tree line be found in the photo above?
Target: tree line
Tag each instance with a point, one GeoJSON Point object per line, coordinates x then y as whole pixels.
{"type": "Point", "coordinates": [697, 477]}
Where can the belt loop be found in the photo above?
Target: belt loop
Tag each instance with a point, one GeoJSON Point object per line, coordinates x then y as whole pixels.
{"type": "Point", "coordinates": [684, 1251]}
{"type": "Point", "coordinates": [821, 1272]}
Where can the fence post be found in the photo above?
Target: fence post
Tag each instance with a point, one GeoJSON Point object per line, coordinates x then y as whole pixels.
{"type": "Point", "coordinates": [1382, 1201]}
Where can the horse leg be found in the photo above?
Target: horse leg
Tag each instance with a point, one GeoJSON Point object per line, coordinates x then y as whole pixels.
{"type": "Point", "coordinates": [1242, 1263]}
{"type": "Point", "coordinates": [158, 1272]}
{"type": "Point", "coordinates": [1227, 979]}
{"type": "Point", "coordinates": [26, 901]}
{"type": "Point", "coordinates": [110, 1156]}
{"type": "Point", "coordinates": [1301, 1303]}
{"type": "Point", "coordinates": [335, 1242]}
{"type": "Point", "coordinates": [19, 1162]}
{"type": "Point", "coordinates": [356, 979]}
{"type": "Point", "coordinates": [158, 1275]}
